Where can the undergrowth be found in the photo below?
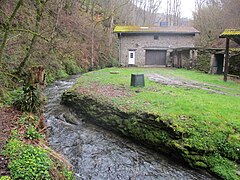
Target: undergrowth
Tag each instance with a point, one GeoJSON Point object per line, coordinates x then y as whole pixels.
{"type": "Point", "coordinates": [29, 157]}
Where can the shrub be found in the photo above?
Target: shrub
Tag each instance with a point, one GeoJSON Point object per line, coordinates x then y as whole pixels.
{"type": "Point", "coordinates": [203, 62]}
{"type": "Point", "coordinates": [50, 78]}
{"type": "Point", "coordinates": [30, 99]}
{"type": "Point", "coordinates": [71, 66]}
{"type": "Point", "coordinates": [61, 74]}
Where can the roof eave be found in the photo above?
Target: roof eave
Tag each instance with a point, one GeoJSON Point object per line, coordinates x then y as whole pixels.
{"type": "Point", "coordinates": [155, 32]}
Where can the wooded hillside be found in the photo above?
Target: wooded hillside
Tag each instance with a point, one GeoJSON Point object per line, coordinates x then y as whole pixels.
{"type": "Point", "coordinates": [63, 36]}
{"type": "Point", "coordinates": [73, 36]}
{"type": "Point", "coordinates": [212, 17]}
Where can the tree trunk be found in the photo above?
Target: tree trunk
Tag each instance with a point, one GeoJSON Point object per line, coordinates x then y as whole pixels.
{"type": "Point", "coordinates": [33, 41]}
{"type": "Point", "coordinates": [7, 29]}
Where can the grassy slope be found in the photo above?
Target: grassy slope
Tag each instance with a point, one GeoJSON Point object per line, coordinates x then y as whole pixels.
{"type": "Point", "coordinates": [212, 121]}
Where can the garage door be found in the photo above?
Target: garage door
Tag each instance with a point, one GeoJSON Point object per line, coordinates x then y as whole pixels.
{"type": "Point", "coordinates": [155, 57]}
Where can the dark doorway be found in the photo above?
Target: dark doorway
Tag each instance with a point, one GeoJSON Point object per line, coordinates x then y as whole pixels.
{"type": "Point", "coordinates": [155, 57]}
{"type": "Point", "coordinates": [219, 63]}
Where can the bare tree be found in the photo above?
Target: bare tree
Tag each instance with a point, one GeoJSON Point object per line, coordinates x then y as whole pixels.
{"type": "Point", "coordinates": [40, 7]}
{"type": "Point", "coordinates": [174, 12]}
{"type": "Point", "coordinates": [7, 27]}
{"type": "Point", "coordinates": [208, 19]}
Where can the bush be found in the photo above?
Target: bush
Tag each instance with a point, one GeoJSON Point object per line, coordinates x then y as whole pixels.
{"type": "Point", "coordinates": [71, 66]}
{"type": "Point", "coordinates": [50, 77]}
{"type": "Point", "coordinates": [203, 62]}
{"type": "Point", "coordinates": [61, 74]}
{"type": "Point", "coordinates": [27, 162]}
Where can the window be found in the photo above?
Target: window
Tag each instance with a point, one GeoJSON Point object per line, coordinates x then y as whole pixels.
{"type": "Point", "coordinates": [156, 37]}
{"type": "Point", "coordinates": [131, 55]}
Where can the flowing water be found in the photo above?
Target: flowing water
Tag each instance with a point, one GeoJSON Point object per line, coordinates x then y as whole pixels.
{"type": "Point", "coordinates": [101, 155]}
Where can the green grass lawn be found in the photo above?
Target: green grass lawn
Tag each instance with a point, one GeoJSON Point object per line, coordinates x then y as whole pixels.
{"type": "Point", "coordinates": [170, 100]}
{"type": "Point", "coordinates": [211, 120]}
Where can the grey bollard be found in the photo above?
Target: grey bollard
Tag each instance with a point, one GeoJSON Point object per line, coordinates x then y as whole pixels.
{"type": "Point", "coordinates": [137, 80]}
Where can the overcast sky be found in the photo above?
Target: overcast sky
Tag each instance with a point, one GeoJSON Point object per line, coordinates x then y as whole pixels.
{"type": "Point", "coordinates": [186, 8]}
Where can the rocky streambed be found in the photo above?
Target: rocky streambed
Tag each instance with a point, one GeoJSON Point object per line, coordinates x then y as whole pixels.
{"type": "Point", "coordinates": [97, 153]}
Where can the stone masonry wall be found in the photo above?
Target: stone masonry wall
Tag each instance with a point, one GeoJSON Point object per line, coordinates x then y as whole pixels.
{"type": "Point", "coordinates": [142, 42]}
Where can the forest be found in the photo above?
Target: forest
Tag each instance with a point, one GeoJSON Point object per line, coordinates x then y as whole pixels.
{"type": "Point", "coordinates": [67, 37]}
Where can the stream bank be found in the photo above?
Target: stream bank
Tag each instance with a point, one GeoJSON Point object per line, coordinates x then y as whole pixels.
{"type": "Point", "coordinates": [182, 122]}
{"type": "Point", "coordinates": [99, 154]}
{"type": "Point", "coordinates": [146, 129]}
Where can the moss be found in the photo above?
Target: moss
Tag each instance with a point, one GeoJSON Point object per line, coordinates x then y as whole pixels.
{"type": "Point", "coordinates": [126, 28]}
{"type": "Point", "coordinates": [151, 129]}
{"type": "Point", "coordinates": [230, 32]}
{"type": "Point", "coordinates": [200, 164]}
{"type": "Point", "coordinates": [222, 166]}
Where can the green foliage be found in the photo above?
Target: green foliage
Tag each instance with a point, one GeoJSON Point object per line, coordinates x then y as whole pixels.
{"type": "Point", "coordinates": [69, 175]}
{"type": "Point", "coordinates": [28, 119]}
{"type": "Point", "coordinates": [203, 62]}
{"type": "Point", "coordinates": [9, 97]}
{"type": "Point", "coordinates": [222, 167]}
{"type": "Point", "coordinates": [27, 161]}
{"type": "Point", "coordinates": [58, 74]}
{"type": "Point", "coordinates": [50, 78]}
{"type": "Point", "coordinates": [61, 74]}
{"type": "Point", "coordinates": [30, 100]}
{"type": "Point", "coordinates": [30, 162]}
{"type": "Point", "coordinates": [71, 66]}
{"type": "Point", "coordinates": [30, 122]}
{"type": "Point", "coordinates": [5, 178]}
{"type": "Point", "coordinates": [32, 133]}
{"type": "Point", "coordinates": [13, 147]}
{"type": "Point", "coordinates": [113, 62]}
{"type": "Point", "coordinates": [108, 61]}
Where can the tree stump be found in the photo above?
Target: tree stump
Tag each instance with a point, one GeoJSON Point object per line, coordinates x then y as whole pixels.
{"type": "Point", "coordinates": [37, 76]}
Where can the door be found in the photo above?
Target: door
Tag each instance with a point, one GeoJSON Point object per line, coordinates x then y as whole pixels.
{"type": "Point", "coordinates": [155, 57]}
{"type": "Point", "coordinates": [220, 61]}
{"type": "Point", "coordinates": [131, 57]}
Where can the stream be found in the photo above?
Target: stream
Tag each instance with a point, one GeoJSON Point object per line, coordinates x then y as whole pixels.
{"type": "Point", "coordinates": [98, 154]}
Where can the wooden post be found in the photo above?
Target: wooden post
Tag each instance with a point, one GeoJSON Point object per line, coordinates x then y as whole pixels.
{"type": "Point", "coordinates": [226, 60]}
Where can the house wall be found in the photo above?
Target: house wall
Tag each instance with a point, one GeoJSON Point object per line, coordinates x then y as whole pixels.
{"type": "Point", "coordinates": [142, 42]}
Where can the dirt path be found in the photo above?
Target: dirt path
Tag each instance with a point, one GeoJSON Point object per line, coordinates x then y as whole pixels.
{"type": "Point", "coordinates": [8, 118]}
{"type": "Point", "coordinates": [180, 82]}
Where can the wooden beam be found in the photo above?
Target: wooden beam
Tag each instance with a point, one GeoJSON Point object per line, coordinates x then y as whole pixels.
{"type": "Point", "coordinates": [226, 60]}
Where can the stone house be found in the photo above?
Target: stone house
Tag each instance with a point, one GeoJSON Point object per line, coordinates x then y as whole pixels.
{"type": "Point", "coordinates": [156, 46]}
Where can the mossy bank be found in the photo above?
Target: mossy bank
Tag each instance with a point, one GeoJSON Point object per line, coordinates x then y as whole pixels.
{"type": "Point", "coordinates": [105, 98]}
